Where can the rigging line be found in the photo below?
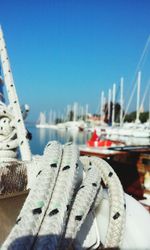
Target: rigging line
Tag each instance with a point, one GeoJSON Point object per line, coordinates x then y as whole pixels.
{"type": "Point", "coordinates": [143, 55]}
{"type": "Point", "coordinates": [130, 99]}
{"type": "Point", "coordinates": [145, 51]}
{"type": "Point", "coordinates": [141, 60]}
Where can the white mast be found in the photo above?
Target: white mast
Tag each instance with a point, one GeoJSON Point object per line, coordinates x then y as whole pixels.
{"type": "Point", "coordinates": [14, 102]}
{"type": "Point", "coordinates": [75, 108]}
{"type": "Point", "coordinates": [138, 98]}
{"type": "Point", "coordinates": [102, 104]}
{"type": "Point", "coordinates": [121, 101]}
{"type": "Point", "coordinates": [86, 111]}
{"type": "Point", "coordinates": [113, 107]}
{"type": "Point", "coordinates": [109, 103]}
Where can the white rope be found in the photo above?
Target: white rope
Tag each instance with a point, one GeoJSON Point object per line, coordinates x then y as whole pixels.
{"type": "Point", "coordinates": [8, 135]}
{"type": "Point", "coordinates": [56, 206]}
{"type": "Point", "coordinates": [53, 225]}
{"type": "Point", "coordinates": [31, 215]}
{"type": "Point", "coordinates": [117, 201]}
{"type": "Point", "coordinates": [14, 101]}
{"type": "Point", "coordinates": [82, 205]}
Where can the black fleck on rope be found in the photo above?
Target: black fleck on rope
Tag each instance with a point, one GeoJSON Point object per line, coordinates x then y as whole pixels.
{"type": "Point", "coordinates": [37, 211]}
{"type": "Point", "coordinates": [110, 174]}
{"type": "Point", "coordinates": [116, 216]}
{"type": "Point", "coordinates": [53, 165]}
{"type": "Point", "coordinates": [66, 167]}
{"type": "Point", "coordinates": [78, 217]}
{"type": "Point", "coordinates": [53, 212]}
{"type": "Point", "coordinates": [94, 184]}
{"type": "Point", "coordinates": [17, 221]}
{"type": "Point", "coordinates": [39, 173]}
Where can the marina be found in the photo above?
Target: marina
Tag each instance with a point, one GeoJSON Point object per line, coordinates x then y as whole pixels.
{"type": "Point", "coordinates": [73, 177]}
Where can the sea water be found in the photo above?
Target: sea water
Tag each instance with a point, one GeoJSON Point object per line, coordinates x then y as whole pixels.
{"type": "Point", "coordinates": [41, 136]}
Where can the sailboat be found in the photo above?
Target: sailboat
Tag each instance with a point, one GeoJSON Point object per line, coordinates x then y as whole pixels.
{"type": "Point", "coordinates": [42, 123]}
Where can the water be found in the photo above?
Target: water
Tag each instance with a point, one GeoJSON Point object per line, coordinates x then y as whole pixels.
{"type": "Point", "coordinates": [41, 136]}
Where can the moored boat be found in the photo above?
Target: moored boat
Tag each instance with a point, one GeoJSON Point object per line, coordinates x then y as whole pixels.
{"type": "Point", "coordinates": [101, 141]}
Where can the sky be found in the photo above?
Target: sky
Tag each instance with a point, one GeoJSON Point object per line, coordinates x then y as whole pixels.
{"type": "Point", "coordinates": [66, 51]}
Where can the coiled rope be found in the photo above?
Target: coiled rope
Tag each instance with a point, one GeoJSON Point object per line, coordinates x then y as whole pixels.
{"type": "Point", "coordinates": [8, 135]}
{"type": "Point", "coordinates": [61, 198]}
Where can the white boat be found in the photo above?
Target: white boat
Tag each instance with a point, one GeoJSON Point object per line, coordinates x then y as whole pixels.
{"type": "Point", "coordinates": [42, 123]}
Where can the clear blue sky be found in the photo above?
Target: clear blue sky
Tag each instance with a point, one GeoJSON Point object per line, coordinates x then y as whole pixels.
{"type": "Point", "coordinates": [63, 51]}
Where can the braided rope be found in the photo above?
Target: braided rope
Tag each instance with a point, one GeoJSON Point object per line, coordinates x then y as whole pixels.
{"type": "Point", "coordinates": [82, 204]}
{"type": "Point", "coordinates": [31, 215]}
{"type": "Point", "coordinates": [8, 135]}
{"type": "Point", "coordinates": [53, 225]}
{"type": "Point", "coordinates": [57, 204]}
{"type": "Point", "coordinates": [117, 201]}
{"type": "Point", "coordinates": [14, 101]}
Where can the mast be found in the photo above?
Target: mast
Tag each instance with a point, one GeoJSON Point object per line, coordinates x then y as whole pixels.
{"type": "Point", "coordinates": [138, 97]}
{"type": "Point", "coordinates": [102, 104]}
{"type": "Point", "coordinates": [14, 102]}
{"type": "Point", "coordinates": [86, 111]}
{"type": "Point", "coordinates": [109, 104]}
{"type": "Point", "coordinates": [121, 101]}
{"type": "Point", "coordinates": [113, 106]}
{"type": "Point", "coordinates": [75, 110]}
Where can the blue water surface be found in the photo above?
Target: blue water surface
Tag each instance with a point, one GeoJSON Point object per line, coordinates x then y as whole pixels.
{"type": "Point", "coordinates": [41, 136]}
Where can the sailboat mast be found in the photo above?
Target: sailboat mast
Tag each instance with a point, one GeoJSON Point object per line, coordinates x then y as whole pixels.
{"type": "Point", "coordinates": [109, 103]}
{"type": "Point", "coordinates": [86, 111]}
{"type": "Point", "coordinates": [113, 107]}
{"type": "Point", "coordinates": [102, 104]}
{"type": "Point", "coordinates": [138, 97]}
{"type": "Point", "coordinates": [75, 110]}
{"type": "Point", "coordinates": [14, 102]}
{"type": "Point", "coordinates": [121, 101]}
